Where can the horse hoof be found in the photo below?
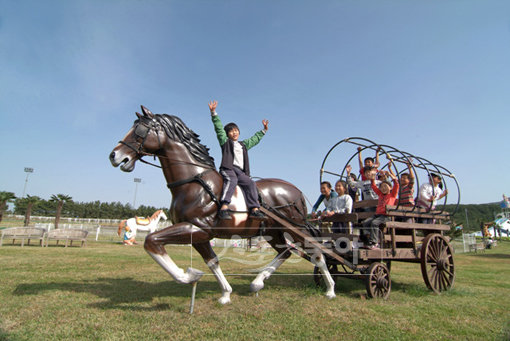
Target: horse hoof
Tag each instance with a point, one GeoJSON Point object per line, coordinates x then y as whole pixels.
{"type": "Point", "coordinates": [193, 275]}
{"type": "Point", "coordinates": [224, 300]}
{"type": "Point", "coordinates": [256, 286]}
{"type": "Point", "coordinates": [330, 295]}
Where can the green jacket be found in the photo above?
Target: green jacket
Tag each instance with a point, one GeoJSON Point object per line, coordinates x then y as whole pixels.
{"type": "Point", "coordinates": [222, 135]}
{"type": "Point", "coordinates": [227, 147]}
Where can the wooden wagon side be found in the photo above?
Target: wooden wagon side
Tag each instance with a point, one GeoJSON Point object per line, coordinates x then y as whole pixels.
{"type": "Point", "coordinates": [405, 240]}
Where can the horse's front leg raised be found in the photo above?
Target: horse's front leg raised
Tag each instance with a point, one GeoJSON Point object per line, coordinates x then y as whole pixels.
{"type": "Point", "coordinates": [186, 233]}
{"type": "Point", "coordinates": [181, 233]}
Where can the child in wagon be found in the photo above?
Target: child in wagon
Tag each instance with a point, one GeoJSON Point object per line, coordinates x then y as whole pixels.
{"type": "Point", "coordinates": [387, 196]}
{"type": "Point", "coordinates": [235, 166]}
{"type": "Point", "coordinates": [327, 195]}
{"type": "Point", "coordinates": [368, 162]}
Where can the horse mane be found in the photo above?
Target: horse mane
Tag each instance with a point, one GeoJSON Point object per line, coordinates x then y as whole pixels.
{"type": "Point", "coordinates": [178, 131]}
{"type": "Point", "coordinates": [154, 214]}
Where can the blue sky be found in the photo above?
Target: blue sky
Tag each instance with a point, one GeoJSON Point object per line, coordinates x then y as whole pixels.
{"type": "Point", "coordinates": [428, 77]}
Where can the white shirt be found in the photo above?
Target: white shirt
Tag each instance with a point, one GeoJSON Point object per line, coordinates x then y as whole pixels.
{"type": "Point", "coordinates": [427, 192]}
{"type": "Point", "coordinates": [238, 155]}
{"type": "Point", "coordinates": [341, 204]}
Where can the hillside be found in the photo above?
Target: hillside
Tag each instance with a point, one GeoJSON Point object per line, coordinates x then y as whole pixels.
{"type": "Point", "coordinates": [476, 214]}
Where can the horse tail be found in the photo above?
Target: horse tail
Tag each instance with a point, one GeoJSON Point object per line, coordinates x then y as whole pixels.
{"type": "Point", "coordinates": [121, 226]}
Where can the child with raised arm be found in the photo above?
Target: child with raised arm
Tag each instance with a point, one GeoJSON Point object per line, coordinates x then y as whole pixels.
{"type": "Point", "coordinates": [368, 162]}
{"type": "Point", "coordinates": [387, 196]}
{"type": "Point", "coordinates": [406, 197]}
{"type": "Point", "coordinates": [365, 186]}
{"type": "Point", "coordinates": [235, 166]}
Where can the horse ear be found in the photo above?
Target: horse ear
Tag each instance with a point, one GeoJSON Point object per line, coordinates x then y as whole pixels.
{"type": "Point", "coordinates": [147, 112]}
{"type": "Point", "coordinates": [139, 115]}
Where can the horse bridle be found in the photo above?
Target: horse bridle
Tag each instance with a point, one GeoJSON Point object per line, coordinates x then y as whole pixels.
{"type": "Point", "coordinates": [142, 131]}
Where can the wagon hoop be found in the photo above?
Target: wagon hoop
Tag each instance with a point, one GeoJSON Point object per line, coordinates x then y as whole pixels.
{"type": "Point", "coordinates": [396, 156]}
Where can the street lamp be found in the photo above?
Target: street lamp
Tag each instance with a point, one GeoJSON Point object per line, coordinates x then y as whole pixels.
{"type": "Point", "coordinates": [28, 171]}
{"type": "Point", "coordinates": [137, 181]}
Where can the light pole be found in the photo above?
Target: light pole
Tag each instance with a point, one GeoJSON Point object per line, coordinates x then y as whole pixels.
{"type": "Point", "coordinates": [467, 221]}
{"type": "Point", "coordinates": [137, 181]}
{"type": "Point", "coordinates": [28, 171]}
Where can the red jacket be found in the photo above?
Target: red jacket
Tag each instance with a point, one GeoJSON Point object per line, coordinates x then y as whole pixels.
{"type": "Point", "coordinates": [388, 199]}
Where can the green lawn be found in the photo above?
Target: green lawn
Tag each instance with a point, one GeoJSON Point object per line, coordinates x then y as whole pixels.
{"type": "Point", "coordinates": [107, 291]}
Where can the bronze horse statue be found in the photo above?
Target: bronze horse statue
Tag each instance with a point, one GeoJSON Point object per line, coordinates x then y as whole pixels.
{"type": "Point", "coordinates": [195, 185]}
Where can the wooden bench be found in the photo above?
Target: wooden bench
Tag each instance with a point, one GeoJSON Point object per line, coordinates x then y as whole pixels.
{"type": "Point", "coordinates": [23, 233]}
{"type": "Point", "coordinates": [68, 235]}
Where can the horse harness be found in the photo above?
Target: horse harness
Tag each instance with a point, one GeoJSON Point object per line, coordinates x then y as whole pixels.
{"type": "Point", "coordinates": [197, 178]}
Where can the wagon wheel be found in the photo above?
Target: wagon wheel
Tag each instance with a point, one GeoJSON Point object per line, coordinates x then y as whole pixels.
{"type": "Point", "coordinates": [317, 275]}
{"type": "Point", "coordinates": [437, 263]}
{"type": "Point", "coordinates": [378, 280]}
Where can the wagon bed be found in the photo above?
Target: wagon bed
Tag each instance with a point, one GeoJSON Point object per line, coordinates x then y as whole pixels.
{"type": "Point", "coordinates": [400, 241]}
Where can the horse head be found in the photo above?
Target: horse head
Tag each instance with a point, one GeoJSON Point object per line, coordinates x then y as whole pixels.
{"type": "Point", "coordinates": [163, 216]}
{"type": "Point", "coordinates": [144, 138]}
{"type": "Point", "coordinates": [156, 135]}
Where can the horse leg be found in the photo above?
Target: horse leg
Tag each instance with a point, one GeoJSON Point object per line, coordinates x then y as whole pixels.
{"type": "Point", "coordinates": [181, 233]}
{"type": "Point", "coordinates": [122, 225]}
{"type": "Point", "coordinates": [320, 262]}
{"type": "Point", "coordinates": [213, 263]}
{"type": "Point", "coordinates": [284, 252]}
{"type": "Point", "coordinates": [279, 244]}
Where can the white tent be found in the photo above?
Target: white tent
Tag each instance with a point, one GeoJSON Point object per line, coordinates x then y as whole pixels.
{"type": "Point", "coordinates": [503, 223]}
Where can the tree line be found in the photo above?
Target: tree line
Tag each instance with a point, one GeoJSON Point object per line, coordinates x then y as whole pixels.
{"type": "Point", "coordinates": [63, 205]}
{"type": "Point", "coordinates": [477, 214]}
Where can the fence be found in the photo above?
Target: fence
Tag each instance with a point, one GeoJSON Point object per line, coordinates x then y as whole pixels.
{"type": "Point", "coordinates": [109, 234]}
{"type": "Point", "coordinates": [69, 220]}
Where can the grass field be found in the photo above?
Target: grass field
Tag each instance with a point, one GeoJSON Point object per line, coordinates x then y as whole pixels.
{"type": "Point", "coordinates": [107, 291]}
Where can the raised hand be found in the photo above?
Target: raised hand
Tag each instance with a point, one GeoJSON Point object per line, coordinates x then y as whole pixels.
{"type": "Point", "coordinates": [266, 124]}
{"type": "Point", "coordinates": [212, 106]}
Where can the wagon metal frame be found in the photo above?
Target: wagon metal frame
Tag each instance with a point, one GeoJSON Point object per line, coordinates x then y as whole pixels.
{"type": "Point", "coordinates": [400, 240]}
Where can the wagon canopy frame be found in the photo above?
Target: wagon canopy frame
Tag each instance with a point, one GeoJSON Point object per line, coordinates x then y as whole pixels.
{"type": "Point", "coordinates": [397, 157]}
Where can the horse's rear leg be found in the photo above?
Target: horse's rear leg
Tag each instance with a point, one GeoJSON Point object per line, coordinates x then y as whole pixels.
{"type": "Point", "coordinates": [181, 233]}
{"type": "Point", "coordinates": [212, 262]}
{"type": "Point", "coordinates": [278, 243]}
{"type": "Point", "coordinates": [320, 261]}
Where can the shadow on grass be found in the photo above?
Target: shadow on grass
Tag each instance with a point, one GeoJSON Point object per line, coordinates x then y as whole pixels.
{"type": "Point", "coordinates": [356, 288]}
{"type": "Point", "coordinates": [122, 293]}
{"type": "Point", "coordinates": [129, 294]}
{"type": "Point", "coordinates": [491, 255]}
